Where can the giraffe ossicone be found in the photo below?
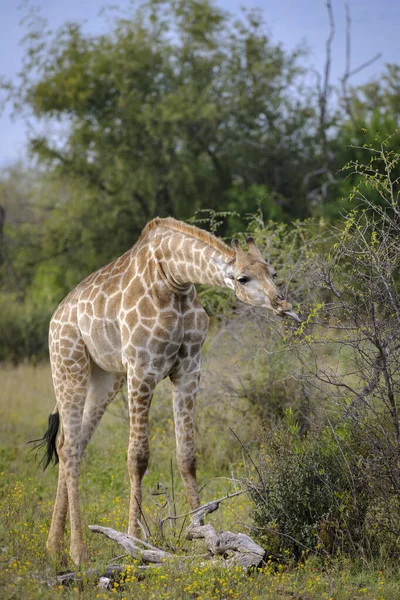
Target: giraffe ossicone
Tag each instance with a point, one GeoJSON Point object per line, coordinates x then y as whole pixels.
{"type": "Point", "coordinates": [139, 319]}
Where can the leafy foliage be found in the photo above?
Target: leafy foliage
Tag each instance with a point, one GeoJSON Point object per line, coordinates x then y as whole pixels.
{"type": "Point", "coordinates": [349, 351]}
{"type": "Point", "coordinates": [175, 109]}
{"type": "Point", "coordinates": [313, 495]}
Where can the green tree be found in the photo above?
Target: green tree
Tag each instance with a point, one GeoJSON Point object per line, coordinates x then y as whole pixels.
{"type": "Point", "coordinates": [178, 107]}
{"type": "Point", "coordinates": [372, 115]}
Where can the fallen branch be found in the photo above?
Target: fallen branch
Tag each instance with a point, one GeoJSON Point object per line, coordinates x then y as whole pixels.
{"type": "Point", "coordinates": [200, 509]}
{"type": "Point", "coordinates": [234, 548]}
{"type": "Point", "coordinates": [135, 547]}
{"type": "Point", "coordinates": [239, 548]}
{"type": "Point", "coordinates": [110, 572]}
{"type": "Point", "coordinates": [245, 552]}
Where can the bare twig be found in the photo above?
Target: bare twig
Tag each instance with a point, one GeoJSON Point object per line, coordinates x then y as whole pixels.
{"type": "Point", "coordinates": [143, 530]}
{"type": "Point", "coordinates": [173, 491]}
{"type": "Point", "coordinates": [348, 72]}
{"type": "Point", "coordinates": [320, 192]}
{"type": "Point", "coordinates": [232, 479]}
{"type": "Point", "coordinates": [366, 64]}
{"type": "Point", "coordinates": [144, 519]}
{"type": "Point", "coordinates": [202, 509]}
{"type": "Point", "coordinates": [261, 479]}
{"type": "Point", "coordinates": [346, 75]}
{"type": "Point", "coordinates": [134, 546]}
{"type": "Point", "coordinates": [324, 92]}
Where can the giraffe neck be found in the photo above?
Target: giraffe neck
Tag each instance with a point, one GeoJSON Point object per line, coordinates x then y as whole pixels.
{"type": "Point", "coordinates": [183, 259]}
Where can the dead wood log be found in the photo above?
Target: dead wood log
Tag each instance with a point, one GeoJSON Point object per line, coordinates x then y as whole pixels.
{"type": "Point", "coordinates": [110, 572]}
{"type": "Point", "coordinates": [238, 548]}
{"type": "Point", "coordinates": [241, 549]}
{"type": "Point", "coordinates": [134, 546]}
{"type": "Point", "coordinates": [235, 548]}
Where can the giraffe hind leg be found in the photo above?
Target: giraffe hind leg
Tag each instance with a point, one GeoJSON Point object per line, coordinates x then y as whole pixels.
{"type": "Point", "coordinates": [102, 389]}
{"type": "Point", "coordinates": [71, 372]}
{"type": "Point", "coordinates": [49, 442]}
{"type": "Point", "coordinates": [55, 540]}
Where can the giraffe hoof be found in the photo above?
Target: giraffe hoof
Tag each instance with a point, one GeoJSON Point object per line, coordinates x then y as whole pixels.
{"type": "Point", "coordinates": [57, 551]}
{"type": "Point", "coordinates": [136, 532]}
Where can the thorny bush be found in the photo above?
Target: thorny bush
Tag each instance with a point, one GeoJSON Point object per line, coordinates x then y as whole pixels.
{"type": "Point", "coordinates": [349, 351]}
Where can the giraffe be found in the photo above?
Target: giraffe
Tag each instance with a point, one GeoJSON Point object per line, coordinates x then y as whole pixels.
{"type": "Point", "coordinates": [139, 319]}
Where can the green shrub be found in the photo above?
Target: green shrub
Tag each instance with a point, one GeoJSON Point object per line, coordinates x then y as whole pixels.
{"type": "Point", "coordinates": [313, 494]}
{"type": "Point", "coordinates": [23, 330]}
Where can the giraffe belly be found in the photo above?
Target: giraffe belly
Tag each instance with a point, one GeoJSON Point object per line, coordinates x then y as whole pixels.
{"type": "Point", "coordinates": [153, 354]}
{"type": "Point", "coordinates": [153, 350]}
{"type": "Point", "coordinates": [104, 344]}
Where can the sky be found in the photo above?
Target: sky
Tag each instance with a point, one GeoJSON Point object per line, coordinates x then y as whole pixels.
{"type": "Point", "coordinates": [375, 29]}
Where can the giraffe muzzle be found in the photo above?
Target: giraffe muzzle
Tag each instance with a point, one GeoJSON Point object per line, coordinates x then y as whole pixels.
{"type": "Point", "coordinates": [285, 310]}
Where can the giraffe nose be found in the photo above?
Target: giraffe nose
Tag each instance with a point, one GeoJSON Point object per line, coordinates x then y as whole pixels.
{"type": "Point", "coordinates": [284, 305]}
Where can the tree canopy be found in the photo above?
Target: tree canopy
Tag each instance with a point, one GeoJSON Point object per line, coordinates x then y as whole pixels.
{"type": "Point", "coordinates": [177, 108]}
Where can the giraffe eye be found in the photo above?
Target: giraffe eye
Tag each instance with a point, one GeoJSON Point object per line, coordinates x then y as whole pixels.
{"type": "Point", "coordinates": [243, 279]}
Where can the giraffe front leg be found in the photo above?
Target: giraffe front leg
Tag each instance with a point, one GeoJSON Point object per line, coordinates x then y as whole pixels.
{"type": "Point", "coordinates": [138, 459]}
{"type": "Point", "coordinates": [140, 390]}
{"type": "Point", "coordinates": [185, 386]}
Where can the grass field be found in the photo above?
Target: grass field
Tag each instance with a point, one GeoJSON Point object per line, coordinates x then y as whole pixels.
{"type": "Point", "coordinates": [27, 494]}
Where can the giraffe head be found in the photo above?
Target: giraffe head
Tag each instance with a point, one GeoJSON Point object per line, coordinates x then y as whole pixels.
{"type": "Point", "coordinates": [252, 279]}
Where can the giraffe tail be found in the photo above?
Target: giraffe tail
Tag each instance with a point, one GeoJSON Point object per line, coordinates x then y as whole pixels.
{"type": "Point", "coordinates": [48, 441]}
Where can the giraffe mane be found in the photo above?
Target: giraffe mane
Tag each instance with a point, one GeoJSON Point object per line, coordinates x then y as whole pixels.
{"type": "Point", "coordinates": [192, 231]}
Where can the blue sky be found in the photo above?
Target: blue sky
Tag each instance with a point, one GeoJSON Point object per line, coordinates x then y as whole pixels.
{"type": "Point", "coordinates": [375, 28]}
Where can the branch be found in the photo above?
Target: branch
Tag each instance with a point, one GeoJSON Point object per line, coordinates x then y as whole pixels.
{"type": "Point", "coordinates": [348, 72]}
{"type": "Point", "coordinates": [246, 552]}
{"type": "Point", "coordinates": [147, 553]}
{"type": "Point", "coordinates": [108, 572]}
{"type": "Point", "coordinates": [367, 63]}
{"type": "Point", "coordinates": [325, 90]}
{"type": "Point", "coordinates": [203, 509]}
{"type": "Point", "coordinates": [238, 547]}
{"type": "Point", "coordinates": [346, 75]}
{"type": "Point", "coordinates": [350, 411]}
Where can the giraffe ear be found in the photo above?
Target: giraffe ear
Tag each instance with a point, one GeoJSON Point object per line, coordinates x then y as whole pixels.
{"type": "Point", "coordinates": [228, 271]}
{"type": "Point", "coordinates": [253, 248]}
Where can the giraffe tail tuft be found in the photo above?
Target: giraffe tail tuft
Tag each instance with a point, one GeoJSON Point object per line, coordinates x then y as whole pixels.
{"type": "Point", "coordinates": [48, 441]}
